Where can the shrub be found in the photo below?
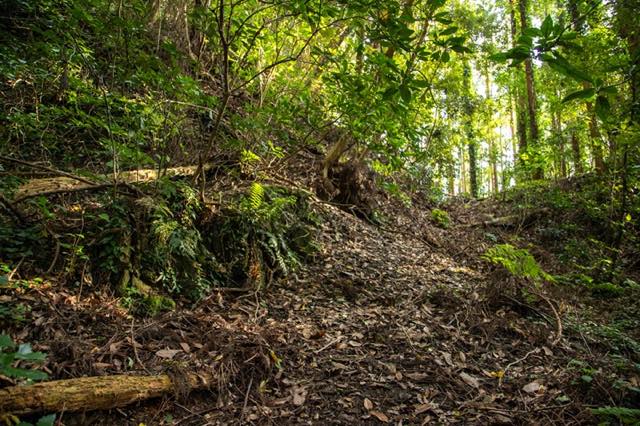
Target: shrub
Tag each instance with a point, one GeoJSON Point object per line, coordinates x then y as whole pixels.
{"type": "Point", "coordinates": [440, 218]}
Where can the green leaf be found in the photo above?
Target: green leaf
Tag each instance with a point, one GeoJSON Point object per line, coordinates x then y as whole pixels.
{"type": "Point", "coordinates": [499, 57]}
{"type": "Point", "coordinates": [532, 32]}
{"type": "Point", "coordinates": [580, 94]}
{"type": "Point", "coordinates": [420, 83]}
{"type": "Point", "coordinates": [6, 342]}
{"type": "Point", "coordinates": [525, 41]}
{"type": "Point", "coordinates": [47, 420]}
{"type": "Point", "coordinates": [610, 90]}
{"type": "Point", "coordinates": [389, 93]}
{"type": "Point", "coordinates": [449, 31]}
{"type": "Point", "coordinates": [460, 49]}
{"type": "Point", "coordinates": [569, 35]}
{"type": "Point", "coordinates": [23, 373]}
{"type": "Point", "coordinates": [603, 107]}
{"type": "Point", "coordinates": [547, 26]}
{"type": "Point", "coordinates": [445, 57]}
{"type": "Point", "coordinates": [405, 94]}
{"type": "Point", "coordinates": [560, 64]}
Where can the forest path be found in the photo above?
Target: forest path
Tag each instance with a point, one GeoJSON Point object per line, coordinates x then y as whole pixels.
{"type": "Point", "coordinates": [383, 326]}
{"type": "Point", "coordinates": [386, 329]}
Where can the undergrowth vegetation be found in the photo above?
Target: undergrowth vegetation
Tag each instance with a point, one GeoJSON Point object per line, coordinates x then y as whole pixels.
{"type": "Point", "coordinates": [155, 248]}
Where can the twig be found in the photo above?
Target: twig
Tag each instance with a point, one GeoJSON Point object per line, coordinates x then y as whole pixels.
{"type": "Point", "coordinates": [536, 350]}
{"type": "Point", "coordinates": [55, 254]}
{"type": "Point", "coordinates": [231, 289]}
{"type": "Point", "coordinates": [558, 320]}
{"type": "Point", "coordinates": [135, 349]}
{"type": "Point", "coordinates": [331, 343]}
{"type": "Point", "coordinates": [12, 273]}
{"type": "Point", "coordinates": [246, 399]}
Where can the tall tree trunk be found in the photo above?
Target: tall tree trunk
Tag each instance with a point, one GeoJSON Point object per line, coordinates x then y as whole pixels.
{"type": "Point", "coordinates": [628, 21]}
{"type": "Point", "coordinates": [531, 91]}
{"type": "Point", "coordinates": [470, 133]}
{"type": "Point", "coordinates": [490, 139]}
{"type": "Point", "coordinates": [514, 136]}
{"type": "Point", "coordinates": [557, 128]}
{"type": "Point", "coordinates": [521, 113]}
{"type": "Point", "coordinates": [577, 155]}
{"type": "Point", "coordinates": [462, 183]}
{"type": "Point", "coordinates": [577, 22]}
{"type": "Point", "coordinates": [596, 138]}
{"type": "Point", "coordinates": [451, 180]}
{"type": "Point", "coordinates": [473, 166]}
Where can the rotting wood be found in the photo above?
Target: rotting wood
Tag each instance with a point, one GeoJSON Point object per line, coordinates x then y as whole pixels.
{"type": "Point", "coordinates": [93, 393]}
{"type": "Point", "coordinates": [511, 220]}
{"type": "Point", "coordinates": [65, 183]}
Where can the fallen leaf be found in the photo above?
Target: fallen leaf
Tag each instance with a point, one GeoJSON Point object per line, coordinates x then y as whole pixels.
{"type": "Point", "coordinates": [470, 380]}
{"type": "Point", "coordinates": [380, 416]}
{"type": "Point", "coordinates": [167, 353]}
{"type": "Point", "coordinates": [318, 334]}
{"type": "Point", "coordinates": [422, 408]}
{"type": "Point", "coordinates": [185, 347]}
{"type": "Point", "coordinates": [497, 374]}
{"type": "Point", "coordinates": [416, 376]}
{"type": "Point", "coordinates": [532, 387]}
{"type": "Point", "coordinates": [447, 358]}
{"type": "Point", "coordinates": [368, 405]}
{"type": "Point", "coordinates": [299, 394]}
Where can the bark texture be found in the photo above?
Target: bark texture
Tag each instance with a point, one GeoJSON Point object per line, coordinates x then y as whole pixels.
{"type": "Point", "coordinates": [92, 393]}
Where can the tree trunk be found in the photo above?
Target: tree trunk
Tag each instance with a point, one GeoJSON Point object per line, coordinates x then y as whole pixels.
{"type": "Point", "coordinates": [531, 91]}
{"type": "Point", "coordinates": [594, 133]}
{"type": "Point", "coordinates": [462, 183]}
{"type": "Point", "coordinates": [520, 100]}
{"type": "Point", "coordinates": [596, 138]}
{"type": "Point", "coordinates": [473, 167]}
{"type": "Point", "coordinates": [557, 128]}
{"type": "Point", "coordinates": [628, 21]}
{"type": "Point", "coordinates": [577, 156]}
{"type": "Point", "coordinates": [92, 393]}
{"type": "Point", "coordinates": [471, 142]}
{"type": "Point", "coordinates": [451, 180]}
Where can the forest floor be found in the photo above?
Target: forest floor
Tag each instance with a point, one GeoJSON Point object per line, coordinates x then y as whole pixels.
{"type": "Point", "coordinates": [401, 324]}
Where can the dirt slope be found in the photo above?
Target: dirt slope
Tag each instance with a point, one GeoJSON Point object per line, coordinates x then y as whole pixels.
{"type": "Point", "coordinates": [382, 327]}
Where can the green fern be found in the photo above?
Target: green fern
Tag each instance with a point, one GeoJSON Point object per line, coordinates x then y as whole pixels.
{"type": "Point", "coordinates": [256, 196]}
{"type": "Point", "coordinates": [627, 416]}
{"type": "Point", "coordinates": [519, 262]}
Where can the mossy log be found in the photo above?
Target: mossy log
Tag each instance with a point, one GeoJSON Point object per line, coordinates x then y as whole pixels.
{"type": "Point", "coordinates": [93, 393]}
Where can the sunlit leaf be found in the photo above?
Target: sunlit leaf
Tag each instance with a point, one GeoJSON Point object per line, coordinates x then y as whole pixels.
{"type": "Point", "coordinates": [580, 94]}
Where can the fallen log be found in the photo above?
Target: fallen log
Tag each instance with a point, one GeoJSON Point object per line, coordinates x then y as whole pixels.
{"type": "Point", "coordinates": [513, 220]}
{"type": "Point", "coordinates": [95, 393]}
{"type": "Point", "coordinates": [67, 182]}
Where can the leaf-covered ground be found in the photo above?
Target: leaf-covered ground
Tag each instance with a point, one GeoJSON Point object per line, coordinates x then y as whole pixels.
{"type": "Point", "coordinates": [397, 324]}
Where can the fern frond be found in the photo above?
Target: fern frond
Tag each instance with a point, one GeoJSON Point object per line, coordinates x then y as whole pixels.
{"type": "Point", "coordinates": [256, 195]}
